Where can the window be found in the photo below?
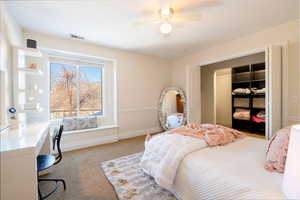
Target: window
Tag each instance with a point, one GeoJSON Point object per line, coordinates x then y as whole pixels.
{"type": "Point", "coordinates": [76, 90]}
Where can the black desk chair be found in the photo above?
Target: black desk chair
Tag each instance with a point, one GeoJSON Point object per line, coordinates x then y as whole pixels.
{"type": "Point", "coordinates": [47, 161]}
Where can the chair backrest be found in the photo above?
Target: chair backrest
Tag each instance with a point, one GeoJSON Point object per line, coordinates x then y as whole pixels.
{"type": "Point", "coordinates": [56, 143]}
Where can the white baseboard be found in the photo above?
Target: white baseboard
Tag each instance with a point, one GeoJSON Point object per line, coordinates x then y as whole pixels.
{"type": "Point", "coordinates": [293, 119]}
{"type": "Point", "coordinates": [89, 143]}
{"type": "Point", "coordinates": [131, 134]}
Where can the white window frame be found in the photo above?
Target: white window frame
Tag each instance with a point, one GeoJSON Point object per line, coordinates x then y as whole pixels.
{"type": "Point", "coordinates": [77, 66]}
{"type": "Point", "coordinates": [77, 63]}
{"type": "Point", "coordinates": [110, 117]}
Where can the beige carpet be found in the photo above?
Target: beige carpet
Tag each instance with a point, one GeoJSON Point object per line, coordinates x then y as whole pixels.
{"type": "Point", "coordinates": [82, 171]}
{"type": "Point", "coordinates": [83, 174]}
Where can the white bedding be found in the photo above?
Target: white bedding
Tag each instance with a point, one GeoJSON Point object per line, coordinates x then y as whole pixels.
{"type": "Point", "coordinates": [233, 171]}
{"type": "Point", "coordinates": [161, 157]}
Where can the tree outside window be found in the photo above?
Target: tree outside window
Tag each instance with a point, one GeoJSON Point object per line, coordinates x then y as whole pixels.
{"type": "Point", "coordinates": [76, 91]}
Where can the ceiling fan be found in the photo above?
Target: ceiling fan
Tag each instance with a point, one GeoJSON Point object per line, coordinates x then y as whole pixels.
{"type": "Point", "coordinates": [171, 13]}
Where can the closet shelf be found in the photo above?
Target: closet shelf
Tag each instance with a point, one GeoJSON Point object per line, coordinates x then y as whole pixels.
{"type": "Point", "coordinates": [259, 95]}
{"type": "Point", "coordinates": [242, 107]}
{"type": "Point", "coordinates": [241, 95]}
{"type": "Point", "coordinates": [258, 122]}
{"type": "Point", "coordinates": [30, 52]}
{"type": "Point", "coordinates": [242, 73]}
{"type": "Point", "coordinates": [30, 71]}
{"type": "Point", "coordinates": [258, 80]}
{"type": "Point", "coordinates": [242, 120]}
{"type": "Point", "coordinates": [236, 82]}
{"type": "Point", "coordinates": [249, 95]}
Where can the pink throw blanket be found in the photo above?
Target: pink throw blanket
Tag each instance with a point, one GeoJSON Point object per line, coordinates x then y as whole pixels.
{"type": "Point", "coordinates": [213, 135]}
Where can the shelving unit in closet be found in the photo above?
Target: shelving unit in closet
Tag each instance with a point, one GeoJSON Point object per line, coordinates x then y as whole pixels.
{"type": "Point", "coordinates": [248, 98]}
{"type": "Point", "coordinates": [258, 97]}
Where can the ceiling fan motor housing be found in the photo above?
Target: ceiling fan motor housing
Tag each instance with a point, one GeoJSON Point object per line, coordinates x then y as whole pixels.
{"type": "Point", "coordinates": [166, 14]}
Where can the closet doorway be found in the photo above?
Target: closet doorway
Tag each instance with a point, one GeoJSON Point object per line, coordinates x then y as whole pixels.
{"type": "Point", "coordinates": [236, 82]}
{"type": "Point", "coordinates": [262, 72]}
{"type": "Point", "coordinates": [240, 94]}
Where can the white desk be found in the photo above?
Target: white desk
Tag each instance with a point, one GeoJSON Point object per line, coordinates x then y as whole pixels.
{"type": "Point", "coordinates": [19, 149]}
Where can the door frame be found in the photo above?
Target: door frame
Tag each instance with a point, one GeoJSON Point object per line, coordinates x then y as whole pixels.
{"type": "Point", "coordinates": [191, 68]}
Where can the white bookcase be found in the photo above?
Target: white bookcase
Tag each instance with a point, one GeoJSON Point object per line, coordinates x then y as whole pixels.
{"type": "Point", "coordinates": [3, 115]}
{"type": "Point", "coordinates": [30, 78]}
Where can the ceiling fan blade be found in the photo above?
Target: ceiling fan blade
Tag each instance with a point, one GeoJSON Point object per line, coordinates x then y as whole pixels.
{"type": "Point", "coordinates": [209, 3]}
{"type": "Point", "coordinates": [149, 12]}
{"type": "Point", "coordinates": [187, 18]}
{"type": "Point", "coordinates": [187, 6]}
{"type": "Point", "coordinates": [146, 21]}
{"type": "Point", "coordinates": [151, 9]}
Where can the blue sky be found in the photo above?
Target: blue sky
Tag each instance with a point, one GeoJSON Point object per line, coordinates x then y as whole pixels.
{"type": "Point", "coordinates": [93, 74]}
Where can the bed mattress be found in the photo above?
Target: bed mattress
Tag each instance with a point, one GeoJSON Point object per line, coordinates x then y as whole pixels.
{"type": "Point", "coordinates": [233, 171]}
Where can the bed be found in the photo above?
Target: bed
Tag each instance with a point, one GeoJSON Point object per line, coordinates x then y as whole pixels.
{"type": "Point", "coordinates": [233, 171]}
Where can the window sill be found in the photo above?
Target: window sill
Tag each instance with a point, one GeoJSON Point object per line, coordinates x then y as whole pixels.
{"type": "Point", "coordinates": [89, 130]}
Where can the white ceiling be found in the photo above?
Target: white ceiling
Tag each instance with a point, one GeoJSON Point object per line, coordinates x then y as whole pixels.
{"type": "Point", "coordinates": [110, 22]}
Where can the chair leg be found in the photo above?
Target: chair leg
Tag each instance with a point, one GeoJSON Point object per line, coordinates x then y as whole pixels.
{"type": "Point", "coordinates": [38, 186]}
{"type": "Point", "coordinates": [64, 183]}
{"type": "Point", "coordinates": [52, 179]}
{"type": "Point", "coordinates": [40, 194]}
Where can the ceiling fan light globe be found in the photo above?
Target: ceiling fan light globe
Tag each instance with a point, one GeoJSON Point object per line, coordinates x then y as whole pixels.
{"type": "Point", "coordinates": [165, 28]}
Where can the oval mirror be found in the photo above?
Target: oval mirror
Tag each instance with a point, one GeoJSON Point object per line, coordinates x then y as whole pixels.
{"type": "Point", "coordinates": [172, 108]}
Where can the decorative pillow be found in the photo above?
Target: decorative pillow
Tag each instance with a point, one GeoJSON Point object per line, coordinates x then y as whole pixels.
{"type": "Point", "coordinates": [277, 150]}
{"type": "Point", "coordinates": [69, 124]}
{"type": "Point", "coordinates": [82, 123]}
{"type": "Point", "coordinates": [79, 123]}
{"type": "Point", "coordinates": [93, 122]}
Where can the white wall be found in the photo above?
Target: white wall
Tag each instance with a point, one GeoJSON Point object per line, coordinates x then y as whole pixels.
{"type": "Point", "coordinates": [10, 35]}
{"type": "Point", "coordinates": [274, 35]}
{"type": "Point", "coordinates": [10, 28]}
{"type": "Point", "coordinates": [140, 80]}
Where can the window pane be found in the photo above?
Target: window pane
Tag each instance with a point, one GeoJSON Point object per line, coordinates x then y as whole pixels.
{"type": "Point", "coordinates": [90, 95]}
{"type": "Point", "coordinates": [63, 90]}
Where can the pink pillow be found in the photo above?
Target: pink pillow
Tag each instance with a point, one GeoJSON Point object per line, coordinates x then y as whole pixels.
{"type": "Point", "coordinates": [277, 150]}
